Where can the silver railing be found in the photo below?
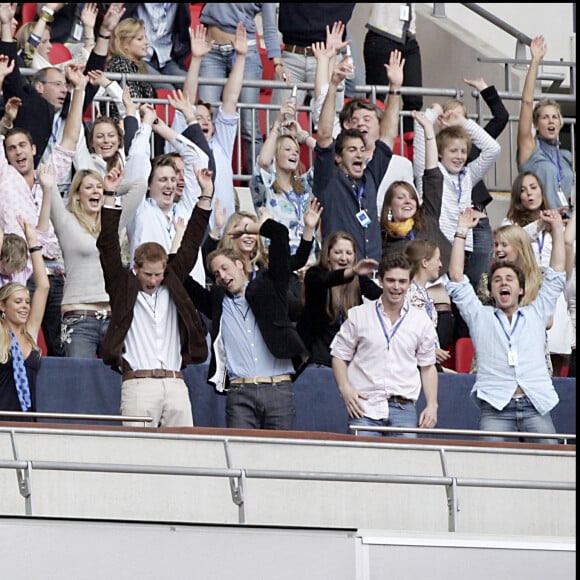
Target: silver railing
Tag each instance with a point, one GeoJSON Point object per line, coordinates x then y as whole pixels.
{"type": "Point", "coordinates": [238, 476]}
{"type": "Point", "coordinates": [564, 437]}
{"type": "Point", "coordinates": [495, 181]}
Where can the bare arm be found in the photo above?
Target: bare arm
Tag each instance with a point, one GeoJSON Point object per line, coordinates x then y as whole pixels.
{"type": "Point", "coordinates": [390, 122]}
{"type": "Point", "coordinates": [570, 244]}
{"type": "Point", "coordinates": [40, 279]}
{"type": "Point", "coordinates": [233, 86]}
{"type": "Point", "coordinates": [199, 48]}
{"type": "Point", "coordinates": [326, 122]}
{"type": "Point", "coordinates": [74, 120]}
{"type": "Point", "coordinates": [526, 141]}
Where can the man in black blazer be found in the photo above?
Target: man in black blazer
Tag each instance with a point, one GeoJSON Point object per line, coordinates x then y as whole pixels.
{"type": "Point", "coordinates": [256, 351]}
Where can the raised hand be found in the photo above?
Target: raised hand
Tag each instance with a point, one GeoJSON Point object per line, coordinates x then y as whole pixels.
{"type": "Point", "coordinates": [199, 45]}
{"type": "Point", "coordinates": [312, 214]}
{"type": "Point", "coordinates": [395, 69]}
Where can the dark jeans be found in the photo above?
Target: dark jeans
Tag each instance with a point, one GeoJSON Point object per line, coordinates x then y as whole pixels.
{"type": "Point", "coordinates": [51, 322]}
{"type": "Point", "coordinates": [262, 406]}
{"type": "Point", "coordinates": [482, 254]}
{"type": "Point", "coordinates": [377, 49]}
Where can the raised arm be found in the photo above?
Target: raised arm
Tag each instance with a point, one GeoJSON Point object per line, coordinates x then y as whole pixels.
{"type": "Point", "coordinates": [74, 119]}
{"type": "Point", "coordinates": [233, 86]}
{"type": "Point", "coordinates": [428, 130]}
{"type": "Point", "coordinates": [570, 244]}
{"type": "Point", "coordinates": [526, 140]}
{"type": "Point", "coordinates": [465, 221]}
{"type": "Point", "coordinates": [324, 136]}
{"type": "Point", "coordinates": [553, 218]}
{"type": "Point", "coordinates": [389, 127]}
{"type": "Point", "coordinates": [199, 48]}
{"type": "Point", "coordinates": [40, 279]}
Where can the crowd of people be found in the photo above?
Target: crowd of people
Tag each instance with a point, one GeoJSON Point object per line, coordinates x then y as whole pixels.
{"type": "Point", "coordinates": [122, 238]}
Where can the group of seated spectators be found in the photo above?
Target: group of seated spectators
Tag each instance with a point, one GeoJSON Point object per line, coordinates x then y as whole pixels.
{"type": "Point", "coordinates": [122, 237]}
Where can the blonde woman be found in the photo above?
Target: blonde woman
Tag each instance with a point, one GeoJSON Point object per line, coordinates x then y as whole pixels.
{"type": "Point", "coordinates": [128, 49]}
{"type": "Point", "coordinates": [20, 320]}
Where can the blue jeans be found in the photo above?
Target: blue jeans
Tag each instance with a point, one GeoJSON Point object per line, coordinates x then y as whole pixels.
{"type": "Point", "coordinates": [482, 254]}
{"type": "Point", "coordinates": [171, 68]}
{"type": "Point", "coordinates": [518, 415]}
{"type": "Point", "coordinates": [82, 337]}
{"type": "Point", "coordinates": [262, 406]}
{"type": "Point", "coordinates": [400, 415]}
{"type": "Point", "coordinates": [218, 63]}
{"type": "Point", "coordinates": [51, 321]}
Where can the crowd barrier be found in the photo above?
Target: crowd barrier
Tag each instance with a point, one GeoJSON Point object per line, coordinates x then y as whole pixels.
{"type": "Point", "coordinates": [88, 386]}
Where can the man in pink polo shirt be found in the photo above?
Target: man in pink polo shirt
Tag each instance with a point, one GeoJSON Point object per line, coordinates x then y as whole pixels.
{"type": "Point", "coordinates": [383, 353]}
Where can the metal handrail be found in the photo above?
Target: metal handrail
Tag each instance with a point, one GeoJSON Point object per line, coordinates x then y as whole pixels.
{"type": "Point", "coordinates": [74, 416]}
{"type": "Point", "coordinates": [470, 432]}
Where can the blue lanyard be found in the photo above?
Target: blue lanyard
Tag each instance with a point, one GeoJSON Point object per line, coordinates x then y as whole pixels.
{"type": "Point", "coordinates": [458, 186]}
{"type": "Point", "coordinates": [426, 300]}
{"type": "Point", "coordinates": [512, 330]}
{"type": "Point", "coordinates": [541, 242]}
{"type": "Point", "coordinates": [556, 163]}
{"type": "Point", "coordinates": [385, 332]}
{"type": "Point", "coordinates": [360, 194]}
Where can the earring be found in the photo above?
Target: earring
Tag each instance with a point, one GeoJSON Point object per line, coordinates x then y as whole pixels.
{"type": "Point", "coordinates": [389, 216]}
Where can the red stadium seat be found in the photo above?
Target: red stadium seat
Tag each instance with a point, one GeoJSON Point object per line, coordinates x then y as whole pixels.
{"type": "Point", "coordinates": [161, 110]}
{"type": "Point", "coordinates": [28, 12]}
{"type": "Point", "coordinates": [42, 343]}
{"type": "Point", "coordinates": [59, 53]}
{"type": "Point", "coordinates": [463, 354]}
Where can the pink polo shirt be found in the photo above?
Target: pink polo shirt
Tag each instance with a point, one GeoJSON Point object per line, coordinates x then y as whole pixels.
{"type": "Point", "coordinates": [381, 368]}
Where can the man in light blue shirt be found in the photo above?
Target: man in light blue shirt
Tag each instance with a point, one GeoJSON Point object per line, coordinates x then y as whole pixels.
{"type": "Point", "coordinates": [513, 388]}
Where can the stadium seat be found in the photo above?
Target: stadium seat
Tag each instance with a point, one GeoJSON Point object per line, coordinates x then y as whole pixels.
{"type": "Point", "coordinates": [28, 12]}
{"type": "Point", "coordinates": [42, 343]}
{"type": "Point", "coordinates": [59, 53]}
{"type": "Point", "coordinates": [463, 355]}
{"type": "Point", "coordinates": [165, 112]}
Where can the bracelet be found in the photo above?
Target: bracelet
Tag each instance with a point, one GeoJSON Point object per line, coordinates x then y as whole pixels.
{"type": "Point", "coordinates": [394, 92]}
{"type": "Point", "coordinates": [205, 197]}
{"type": "Point", "coordinates": [104, 36]}
{"type": "Point", "coordinates": [460, 236]}
{"type": "Point", "coordinates": [47, 10]}
{"type": "Point", "coordinates": [35, 249]}
{"type": "Point", "coordinates": [7, 126]}
{"type": "Point", "coordinates": [46, 17]}
{"type": "Point", "coordinates": [109, 192]}
{"type": "Point", "coordinates": [303, 137]}
{"type": "Point", "coordinates": [429, 138]}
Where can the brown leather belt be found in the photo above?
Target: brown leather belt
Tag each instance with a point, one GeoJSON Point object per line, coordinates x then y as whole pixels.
{"type": "Point", "coordinates": [258, 380]}
{"type": "Point", "coordinates": [399, 399]}
{"type": "Point", "coordinates": [152, 374]}
{"type": "Point", "coordinates": [303, 50]}
{"type": "Point", "coordinates": [442, 307]}
{"type": "Point", "coordinates": [98, 314]}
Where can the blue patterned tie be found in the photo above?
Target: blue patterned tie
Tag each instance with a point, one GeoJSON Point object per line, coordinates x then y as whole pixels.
{"type": "Point", "coordinates": [20, 376]}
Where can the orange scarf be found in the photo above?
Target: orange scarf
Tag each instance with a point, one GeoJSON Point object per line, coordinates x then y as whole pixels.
{"type": "Point", "coordinates": [400, 229]}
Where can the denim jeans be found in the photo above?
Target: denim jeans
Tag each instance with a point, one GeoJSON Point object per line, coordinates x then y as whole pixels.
{"type": "Point", "coordinates": [218, 64]}
{"type": "Point", "coordinates": [400, 415]}
{"type": "Point", "coordinates": [482, 254]}
{"type": "Point", "coordinates": [171, 69]}
{"type": "Point", "coordinates": [517, 415]}
{"type": "Point", "coordinates": [262, 406]}
{"type": "Point", "coordinates": [82, 337]}
{"type": "Point", "coordinates": [51, 321]}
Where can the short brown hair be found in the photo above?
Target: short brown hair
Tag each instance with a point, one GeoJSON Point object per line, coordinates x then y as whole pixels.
{"type": "Point", "coordinates": [150, 252]}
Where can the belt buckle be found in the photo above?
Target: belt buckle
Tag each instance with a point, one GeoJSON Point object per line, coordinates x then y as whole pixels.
{"type": "Point", "coordinates": [100, 314]}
